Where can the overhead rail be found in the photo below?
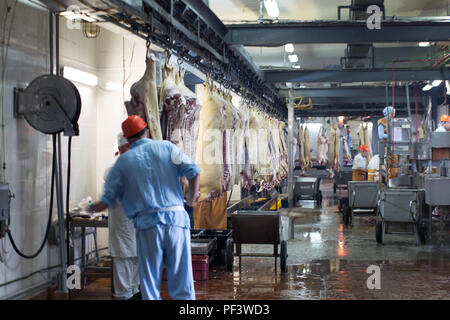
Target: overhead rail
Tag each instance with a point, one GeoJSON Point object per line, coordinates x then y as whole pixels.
{"type": "Point", "coordinates": [190, 30]}
{"type": "Point", "coordinates": [336, 31]}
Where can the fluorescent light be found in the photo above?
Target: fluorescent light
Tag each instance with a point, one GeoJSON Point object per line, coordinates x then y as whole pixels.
{"type": "Point", "coordinates": [272, 8]}
{"type": "Point", "coordinates": [112, 86]}
{"type": "Point", "coordinates": [76, 15]}
{"type": "Point", "coordinates": [427, 87]}
{"type": "Point", "coordinates": [80, 76]}
{"type": "Point", "coordinates": [296, 66]}
{"type": "Point", "coordinates": [289, 84]}
{"type": "Point", "coordinates": [293, 58]}
{"type": "Point", "coordinates": [447, 86]}
{"type": "Point", "coordinates": [436, 83]}
{"type": "Point", "coordinates": [289, 47]}
{"type": "Point", "coordinates": [424, 44]}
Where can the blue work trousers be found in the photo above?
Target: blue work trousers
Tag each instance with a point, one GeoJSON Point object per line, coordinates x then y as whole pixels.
{"type": "Point", "coordinates": [169, 246]}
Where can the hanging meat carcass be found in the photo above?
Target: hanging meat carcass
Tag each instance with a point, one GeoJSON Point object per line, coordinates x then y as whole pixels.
{"type": "Point", "coordinates": [301, 144]}
{"type": "Point", "coordinates": [172, 104]}
{"type": "Point", "coordinates": [347, 156]}
{"type": "Point", "coordinates": [322, 148]}
{"type": "Point", "coordinates": [283, 150]}
{"type": "Point", "coordinates": [209, 155]}
{"type": "Point", "coordinates": [144, 99]}
{"type": "Point", "coordinates": [306, 149]}
{"type": "Point", "coordinates": [228, 123]}
{"type": "Point", "coordinates": [190, 123]}
{"type": "Point", "coordinates": [246, 171]}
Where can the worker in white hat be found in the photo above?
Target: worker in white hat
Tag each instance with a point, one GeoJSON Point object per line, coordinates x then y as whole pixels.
{"type": "Point", "coordinates": [388, 113]}
{"type": "Point", "coordinates": [122, 244]}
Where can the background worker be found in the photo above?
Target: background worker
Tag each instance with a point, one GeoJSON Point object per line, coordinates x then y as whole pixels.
{"type": "Point", "coordinates": [122, 244]}
{"type": "Point", "coordinates": [444, 125]}
{"type": "Point", "coordinates": [146, 179]}
{"type": "Point", "coordinates": [359, 164]}
{"type": "Point", "coordinates": [389, 114]}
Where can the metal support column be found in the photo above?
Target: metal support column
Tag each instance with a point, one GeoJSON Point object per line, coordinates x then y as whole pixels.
{"type": "Point", "coordinates": [291, 150]}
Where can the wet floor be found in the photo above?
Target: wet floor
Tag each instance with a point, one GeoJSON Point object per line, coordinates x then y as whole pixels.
{"type": "Point", "coordinates": [327, 260]}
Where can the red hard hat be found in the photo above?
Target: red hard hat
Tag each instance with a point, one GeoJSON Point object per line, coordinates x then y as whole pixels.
{"type": "Point", "coordinates": [364, 148]}
{"type": "Point", "coordinates": [445, 118]}
{"type": "Point", "coordinates": [133, 125]}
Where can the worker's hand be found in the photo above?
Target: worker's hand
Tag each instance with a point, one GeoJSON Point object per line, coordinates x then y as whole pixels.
{"type": "Point", "coordinates": [193, 201]}
{"type": "Point", "coordinates": [97, 207]}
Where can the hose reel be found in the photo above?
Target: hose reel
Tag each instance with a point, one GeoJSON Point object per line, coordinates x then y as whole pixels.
{"type": "Point", "coordinates": [50, 104]}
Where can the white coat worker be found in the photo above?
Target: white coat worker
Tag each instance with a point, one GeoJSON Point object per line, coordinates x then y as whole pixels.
{"type": "Point", "coordinates": [146, 180]}
{"type": "Point", "coordinates": [444, 125]}
{"type": "Point", "coordinates": [359, 164]}
{"type": "Point", "coordinates": [122, 244]}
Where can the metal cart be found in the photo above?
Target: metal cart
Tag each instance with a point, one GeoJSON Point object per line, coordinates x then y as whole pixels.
{"type": "Point", "coordinates": [307, 188]}
{"type": "Point", "coordinates": [342, 177]}
{"type": "Point", "coordinates": [259, 227]}
{"type": "Point", "coordinates": [399, 205]}
{"type": "Point", "coordinates": [223, 250]}
{"type": "Point", "coordinates": [363, 197]}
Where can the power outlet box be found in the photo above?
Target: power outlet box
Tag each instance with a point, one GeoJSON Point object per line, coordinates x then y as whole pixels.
{"type": "Point", "coordinates": [4, 208]}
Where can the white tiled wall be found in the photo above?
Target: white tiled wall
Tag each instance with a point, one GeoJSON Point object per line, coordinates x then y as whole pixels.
{"type": "Point", "coordinates": [28, 152]}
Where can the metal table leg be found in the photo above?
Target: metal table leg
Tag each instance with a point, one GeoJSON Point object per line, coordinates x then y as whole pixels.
{"type": "Point", "coordinates": [83, 257]}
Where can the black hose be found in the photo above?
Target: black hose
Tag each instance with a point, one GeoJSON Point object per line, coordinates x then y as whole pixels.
{"type": "Point", "coordinates": [50, 211]}
{"type": "Point", "coordinates": [69, 152]}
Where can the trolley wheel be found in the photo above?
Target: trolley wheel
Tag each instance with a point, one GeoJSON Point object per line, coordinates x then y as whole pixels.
{"type": "Point", "coordinates": [229, 254]}
{"type": "Point", "coordinates": [283, 256]}
{"type": "Point", "coordinates": [319, 198]}
{"type": "Point", "coordinates": [423, 232]}
{"type": "Point", "coordinates": [378, 230]}
{"type": "Point", "coordinates": [347, 215]}
{"type": "Point", "coordinates": [334, 187]}
{"type": "Point", "coordinates": [344, 212]}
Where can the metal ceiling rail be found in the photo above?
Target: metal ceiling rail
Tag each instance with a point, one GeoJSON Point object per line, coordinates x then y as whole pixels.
{"type": "Point", "coordinates": [279, 76]}
{"type": "Point", "coordinates": [328, 111]}
{"type": "Point", "coordinates": [358, 100]}
{"type": "Point", "coordinates": [344, 92]}
{"type": "Point", "coordinates": [280, 33]}
{"type": "Point", "coordinates": [193, 32]}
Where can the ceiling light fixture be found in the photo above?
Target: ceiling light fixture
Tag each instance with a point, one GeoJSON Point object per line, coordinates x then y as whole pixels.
{"type": "Point", "coordinates": [436, 83]}
{"type": "Point", "coordinates": [80, 76]}
{"type": "Point", "coordinates": [293, 58]}
{"type": "Point", "coordinates": [289, 47]}
{"type": "Point", "coordinates": [427, 87]}
{"type": "Point", "coordinates": [272, 8]}
{"type": "Point", "coordinates": [424, 44]}
{"type": "Point", "coordinates": [296, 66]}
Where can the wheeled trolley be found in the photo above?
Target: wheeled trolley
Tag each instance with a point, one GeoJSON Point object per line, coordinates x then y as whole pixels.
{"type": "Point", "coordinates": [363, 196]}
{"type": "Point", "coordinates": [399, 205]}
{"type": "Point", "coordinates": [223, 250]}
{"type": "Point", "coordinates": [307, 188]}
{"type": "Point", "coordinates": [342, 177]}
{"type": "Point", "coordinates": [259, 227]}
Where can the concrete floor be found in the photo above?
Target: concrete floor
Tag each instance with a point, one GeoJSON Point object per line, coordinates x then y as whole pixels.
{"type": "Point", "coordinates": [326, 261]}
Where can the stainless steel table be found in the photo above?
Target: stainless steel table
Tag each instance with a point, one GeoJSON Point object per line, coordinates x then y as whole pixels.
{"type": "Point", "coordinates": [84, 223]}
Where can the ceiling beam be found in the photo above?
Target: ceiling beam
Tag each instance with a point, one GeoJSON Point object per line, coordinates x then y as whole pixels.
{"type": "Point", "coordinates": [349, 92]}
{"type": "Point", "coordinates": [333, 111]}
{"type": "Point", "coordinates": [359, 100]}
{"type": "Point", "coordinates": [278, 34]}
{"type": "Point", "coordinates": [280, 76]}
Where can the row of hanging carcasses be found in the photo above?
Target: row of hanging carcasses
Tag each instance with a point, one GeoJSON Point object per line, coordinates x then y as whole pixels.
{"type": "Point", "coordinates": [237, 146]}
{"type": "Point", "coordinates": [233, 146]}
{"type": "Point", "coordinates": [328, 150]}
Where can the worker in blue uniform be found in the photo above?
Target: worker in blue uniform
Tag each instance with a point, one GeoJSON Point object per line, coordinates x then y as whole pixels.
{"type": "Point", "coordinates": [146, 180]}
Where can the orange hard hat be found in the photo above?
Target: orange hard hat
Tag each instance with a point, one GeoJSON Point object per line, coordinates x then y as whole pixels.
{"type": "Point", "coordinates": [445, 118]}
{"type": "Point", "coordinates": [133, 125]}
{"type": "Point", "coordinates": [364, 148]}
